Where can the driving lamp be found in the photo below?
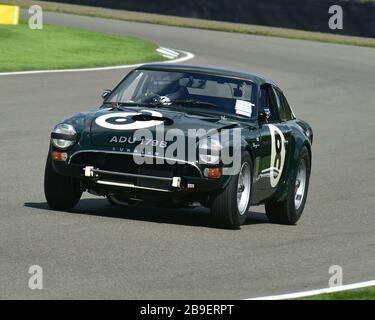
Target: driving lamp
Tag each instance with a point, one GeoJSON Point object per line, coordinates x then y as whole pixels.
{"type": "Point", "coordinates": [209, 150]}
{"type": "Point", "coordinates": [63, 136]}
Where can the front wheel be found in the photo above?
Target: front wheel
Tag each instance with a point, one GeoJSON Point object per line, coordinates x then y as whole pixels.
{"type": "Point", "coordinates": [62, 192]}
{"type": "Point", "coordinates": [229, 207]}
{"type": "Point", "coordinates": [289, 211]}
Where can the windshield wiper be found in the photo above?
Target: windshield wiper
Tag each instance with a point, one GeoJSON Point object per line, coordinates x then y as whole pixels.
{"type": "Point", "coordinates": [124, 103]}
{"type": "Point", "coordinates": [193, 103]}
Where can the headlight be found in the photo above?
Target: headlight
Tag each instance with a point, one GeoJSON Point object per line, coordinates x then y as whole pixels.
{"type": "Point", "coordinates": [63, 136]}
{"type": "Point", "coordinates": [209, 150]}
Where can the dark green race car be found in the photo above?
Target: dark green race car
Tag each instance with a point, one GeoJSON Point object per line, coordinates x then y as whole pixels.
{"type": "Point", "coordinates": [177, 136]}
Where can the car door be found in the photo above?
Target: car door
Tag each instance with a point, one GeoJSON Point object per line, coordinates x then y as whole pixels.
{"type": "Point", "coordinates": [274, 140]}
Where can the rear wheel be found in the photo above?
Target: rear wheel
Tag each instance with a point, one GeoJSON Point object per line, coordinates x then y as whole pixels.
{"type": "Point", "coordinates": [290, 210]}
{"type": "Point", "coordinates": [229, 207]}
{"type": "Point", "coordinates": [61, 192]}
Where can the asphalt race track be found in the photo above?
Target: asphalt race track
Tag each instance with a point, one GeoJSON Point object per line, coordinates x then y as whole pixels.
{"type": "Point", "coordinates": [101, 252]}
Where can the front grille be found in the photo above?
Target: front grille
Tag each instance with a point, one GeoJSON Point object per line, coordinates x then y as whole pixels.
{"type": "Point", "coordinates": [125, 163]}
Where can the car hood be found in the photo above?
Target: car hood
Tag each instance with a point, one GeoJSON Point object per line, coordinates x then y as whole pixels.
{"type": "Point", "coordinates": [111, 127]}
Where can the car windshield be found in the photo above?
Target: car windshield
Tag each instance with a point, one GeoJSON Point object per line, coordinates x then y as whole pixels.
{"type": "Point", "coordinates": [211, 93]}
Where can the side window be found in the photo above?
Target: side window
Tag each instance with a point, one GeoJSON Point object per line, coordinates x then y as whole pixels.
{"type": "Point", "coordinates": [285, 111]}
{"type": "Point", "coordinates": [269, 102]}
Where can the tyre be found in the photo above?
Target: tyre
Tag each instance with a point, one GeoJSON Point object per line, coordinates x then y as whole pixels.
{"type": "Point", "coordinates": [61, 192]}
{"type": "Point", "coordinates": [229, 207]}
{"type": "Point", "coordinates": [289, 211]}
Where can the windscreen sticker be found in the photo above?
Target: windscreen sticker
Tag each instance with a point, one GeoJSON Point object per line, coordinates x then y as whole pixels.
{"type": "Point", "coordinates": [244, 108]}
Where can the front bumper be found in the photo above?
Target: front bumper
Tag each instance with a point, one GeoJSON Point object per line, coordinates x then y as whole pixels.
{"type": "Point", "coordinates": [141, 180]}
{"type": "Point", "coordinates": [111, 178]}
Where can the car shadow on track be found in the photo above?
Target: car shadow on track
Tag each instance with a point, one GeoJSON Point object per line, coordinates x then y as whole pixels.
{"type": "Point", "coordinates": [198, 217]}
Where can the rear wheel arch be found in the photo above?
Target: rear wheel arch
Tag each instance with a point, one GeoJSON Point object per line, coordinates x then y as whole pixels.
{"type": "Point", "coordinates": [283, 209]}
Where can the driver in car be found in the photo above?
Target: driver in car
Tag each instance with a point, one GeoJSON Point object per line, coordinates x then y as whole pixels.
{"type": "Point", "coordinates": [165, 91]}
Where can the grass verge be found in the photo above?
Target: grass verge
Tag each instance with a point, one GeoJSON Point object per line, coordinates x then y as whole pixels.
{"type": "Point", "coordinates": [360, 294]}
{"type": "Point", "coordinates": [56, 47]}
{"type": "Point", "coordinates": [197, 23]}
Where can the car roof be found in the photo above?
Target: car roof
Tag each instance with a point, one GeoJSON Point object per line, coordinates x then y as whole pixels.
{"type": "Point", "coordinates": [208, 70]}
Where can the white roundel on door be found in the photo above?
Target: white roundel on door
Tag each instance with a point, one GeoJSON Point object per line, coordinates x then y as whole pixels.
{"type": "Point", "coordinates": [124, 120]}
{"type": "Point", "coordinates": [277, 154]}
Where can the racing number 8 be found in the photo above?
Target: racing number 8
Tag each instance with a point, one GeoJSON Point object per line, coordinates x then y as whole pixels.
{"type": "Point", "coordinates": [277, 155]}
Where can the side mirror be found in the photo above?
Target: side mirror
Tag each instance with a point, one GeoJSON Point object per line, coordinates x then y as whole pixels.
{"type": "Point", "coordinates": [106, 93]}
{"type": "Point", "coordinates": [263, 116]}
